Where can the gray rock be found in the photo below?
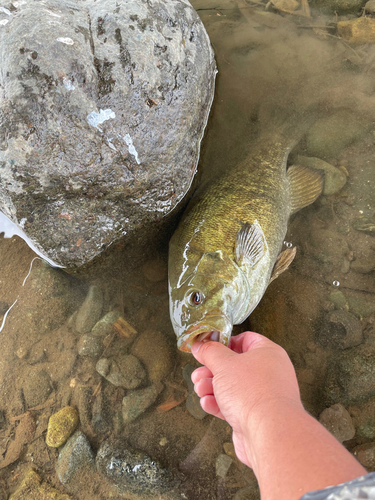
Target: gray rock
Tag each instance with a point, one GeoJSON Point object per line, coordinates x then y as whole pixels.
{"type": "Point", "coordinates": [330, 135]}
{"type": "Point", "coordinates": [88, 345]}
{"type": "Point", "coordinates": [90, 311]}
{"type": "Point", "coordinates": [338, 299]}
{"type": "Point", "coordinates": [37, 386]}
{"type": "Point", "coordinates": [370, 7]}
{"type": "Point", "coordinates": [123, 371]}
{"type": "Point", "coordinates": [351, 376]}
{"type": "Point", "coordinates": [338, 421]}
{"type": "Point", "coordinates": [75, 456]}
{"type": "Point", "coordinates": [104, 326]}
{"type": "Point", "coordinates": [102, 114]}
{"type": "Point", "coordinates": [365, 454]}
{"type": "Point", "coordinates": [339, 6]}
{"type": "Point", "coordinates": [341, 330]}
{"type": "Point", "coordinates": [367, 429]}
{"type": "Point", "coordinates": [131, 472]}
{"type": "Point", "coordinates": [136, 402]}
{"type": "Point", "coordinates": [334, 179]}
{"type": "Point", "coordinates": [193, 406]}
{"type": "Point", "coordinates": [223, 462]}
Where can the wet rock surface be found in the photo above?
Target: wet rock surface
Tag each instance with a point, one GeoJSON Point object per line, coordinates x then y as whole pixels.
{"type": "Point", "coordinates": [95, 137]}
{"type": "Point", "coordinates": [61, 425]}
{"type": "Point", "coordinates": [123, 371]}
{"type": "Point", "coordinates": [74, 458]}
{"type": "Point", "coordinates": [338, 421]}
{"type": "Point", "coordinates": [132, 472]}
{"type": "Point", "coordinates": [342, 330]}
{"type": "Point", "coordinates": [136, 402]}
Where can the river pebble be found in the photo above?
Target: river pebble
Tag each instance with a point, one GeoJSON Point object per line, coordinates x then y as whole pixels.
{"type": "Point", "coordinates": [370, 7]}
{"type": "Point", "coordinates": [136, 402]}
{"type": "Point", "coordinates": [223, 462]}
{"type": "Point", "coordinates": [338, 421]}
{"type": "Point", "coordinates": [104, 326]}
{"type": "Point", "coordinates": [74, 457]}
{"type": "Point", "coordinates": [338, 299]}
{"type": "Point", "coordinates": [155, 352]}
{"type": "Point", "coordinates": [61, 426]}
{"type": "Point", "coordinates": [334, 179]}
{"type": "Point", "coordinates": [88, 345]}
{"type": "Point", "coordinates": [122, 371]}
{"type": "Point", "coordinates": [131, 472]}
{"type": "Point", "coordinates": [357, 31]}
{"type": "Point", "coordinates": [367, 429]}
{"type": "Point", "coordinates": [90, 311]}
{"type": "Point", "coordinates": [365, 454]}
{"type": "Point", "coordinates": [37, 386]}
{"type": "Point", "coordinates": [341, 330]}
{"type": "Point", "coordinates": [32, 487]}
{"type": "Point", "coordinates": [193, 404]}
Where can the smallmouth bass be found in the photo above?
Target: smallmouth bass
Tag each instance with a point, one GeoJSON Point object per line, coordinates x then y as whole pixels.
{"type": "Point", "coordinates": [226, 249]}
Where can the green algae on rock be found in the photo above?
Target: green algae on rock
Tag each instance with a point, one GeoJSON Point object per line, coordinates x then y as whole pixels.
{"type": "Point", "coordinates": [33, 487]}
{"type": "Point", "coordinates": [61, 426]}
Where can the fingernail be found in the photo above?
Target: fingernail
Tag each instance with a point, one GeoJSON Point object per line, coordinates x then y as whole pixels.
{"type": "Point", "coordinates": [195, 347]}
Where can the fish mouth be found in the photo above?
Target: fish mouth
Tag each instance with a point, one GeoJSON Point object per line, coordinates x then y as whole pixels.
{"type": "Point", "coordinates": [213, 328]}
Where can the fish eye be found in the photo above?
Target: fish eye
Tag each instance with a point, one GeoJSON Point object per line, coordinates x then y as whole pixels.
{"type": "Point", "coordinates": [196, 298]}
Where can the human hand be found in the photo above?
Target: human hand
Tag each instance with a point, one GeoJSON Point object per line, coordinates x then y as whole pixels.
{"type": "Point", "coordinates": [243, 383]}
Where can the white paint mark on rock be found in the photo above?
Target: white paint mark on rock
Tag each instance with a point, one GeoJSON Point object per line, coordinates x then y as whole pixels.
{"type": "Point", "coordinates": [96, 119]}
{"type": "Point", "coordinates": [131, 147]}
{"type": "Point", "coordinates": [67, 41]}
{"type": "Point", "coordinates": [68, 84]}
{"type": "Point", "coordinates": [3, 22]}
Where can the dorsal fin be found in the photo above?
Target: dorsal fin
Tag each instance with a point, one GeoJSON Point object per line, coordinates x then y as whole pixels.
{"type": "Point", "coordinates": [305, 186]}
{"type": "Point", "coordinates": [283, 261]}
{"type": "Point", "coordinates": [251, 244]}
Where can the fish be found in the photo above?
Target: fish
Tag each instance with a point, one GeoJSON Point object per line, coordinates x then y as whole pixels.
{"type": "Point", "coordinates": [227, 247]}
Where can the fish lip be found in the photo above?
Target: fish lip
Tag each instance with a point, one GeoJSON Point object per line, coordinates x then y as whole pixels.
{"type": "Point", "coordinates": [207, 325]}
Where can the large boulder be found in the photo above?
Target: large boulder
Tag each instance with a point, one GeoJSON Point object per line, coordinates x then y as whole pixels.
{"type": "Point", "coordinates": [103, 107]}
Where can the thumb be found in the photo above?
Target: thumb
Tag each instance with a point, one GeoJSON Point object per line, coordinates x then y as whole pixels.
{"type": "Point", "coordinates": [211, 354]}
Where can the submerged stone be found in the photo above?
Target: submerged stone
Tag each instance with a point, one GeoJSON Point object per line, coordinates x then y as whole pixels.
{"type": "Point", "coordinates": [357, 31]}
{"type": "Point", "coordinates": [75, 457]}
{"type": "Point", "coordinates": [122, 371]}
{"type": "Point", "coordinates": [334, 179]}
{"type": "Point", "coordinates": [32, 487]}
{"type": "Point", "coordinates": [61, 425]}
{"type": "Point", "coordinates": [102, 115]}
{"type": "Point", "coordinates": [338, 421]}
{"type": "Point", "coordinates": [90, 311]}
{"type": "Point", "coordinates": [136, 402]}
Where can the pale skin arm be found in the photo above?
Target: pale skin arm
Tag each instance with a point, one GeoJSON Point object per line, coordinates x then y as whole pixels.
{"type": "Point", "coordinates": [252, 385]}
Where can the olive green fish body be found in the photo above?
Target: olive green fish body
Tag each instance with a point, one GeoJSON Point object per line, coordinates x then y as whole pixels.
{"type": "Point", "coordinates": [224, 250]}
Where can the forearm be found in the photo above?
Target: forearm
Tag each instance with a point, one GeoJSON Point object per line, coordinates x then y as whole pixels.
{"type": "Point", "coordinates": [291, 454]}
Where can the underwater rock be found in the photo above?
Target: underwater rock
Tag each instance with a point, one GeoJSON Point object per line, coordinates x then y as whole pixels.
{"type": "Point", "coordinates": [367, 429]}
{"type": "Point", "coordinates": [223, 462]}
{"type": "Point", "coordinates": [32, 487]}
{"type": "Point", "coordinates": [365, 454]}
{"type": "Point", "coordinates": [75, 457]}
{"type": "Point", "coordinates": [131, 472]}
{"type": "Point", "coordinates": [193, 404]}
{"type": "Point", "coordinates": [37, 386]}
{"type": "Point", "coordinates": [357, 31]}
{"type": "Point", "coordinates": [338, 421]}
{"type": "Point", "coordinates": [334, 179]}
{"type": "Point", "coordinates": [159, 361]}
{"type": "Point", "coordinates": [104, 326]}
{"type": "Point", "coordinates": [329, 247]}
{"type": "Point", "coordinates": [341, 330]}
{"type": "Point", "coordinates": [365, 224]}
{"type": "Point", "coordinates": [370, 7]}
{"type": "Point", "coordinates": [339, 6]}
{"type": "Point", "coordinates": [338, 299]}
{"type": "Point", "coordinates": [88, 345]}
{"type": "Point", "coordinates": [61, 425]}
{"type": "Point", "coordinates": [350, 376]}
{"type": "Point", "coordinates": [102, 115]}
{"type": "Point", "coordinates": [136, 402]}
{"type": "Point", "coordinates": [90, 311]}
{"type": "Point", "coordinates": [122, 371]}
{"type": "Point", "coordinates": [330, 135]}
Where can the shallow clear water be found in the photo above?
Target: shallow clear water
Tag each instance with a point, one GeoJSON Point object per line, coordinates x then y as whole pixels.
{"type": "Point", "coordinates": [264, 58]}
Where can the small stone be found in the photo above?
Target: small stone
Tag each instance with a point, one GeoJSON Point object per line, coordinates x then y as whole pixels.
{"type": "Point", "coordinates": [223, 462]}
{"type": "Point", "coordinates": [362, 266]}
{"type": "Point", "coordinates": [338, 299]}
{"type": "Point", "coordinates": [136, 402]}
{"type": "Point", "coordinates": [61, 426]}
{"type": "Point", "coordinates": [193, 406]}
{"type": "Point", "coordinates": [37, 354]}
{"type": "Point", "coordinates": [338, 421]}
{"type": "Point", "coordinates": [36, 387]}
{"type": "Point", "coordinates": [186, 373]}
{"type": "Point", "coordinates": [365, 454]}
{"type": "Point", "coordinates": [155, 270]}
{"type": "Point", "coordinates": [357, 31]}
{"type": "Point", "coordinates": [156, 354]}
{"type": "Point", "coordinates": [88, 345]}
{"type": "Point", "coordinates": [163, 441]}
{"type": "Point", "coordinates": [360, 307]}
{"type": "Point", "coordinates": [342, 330]}
{"type": "Point", "coordinates": [229, 450]}
{"type": "Point", "coordinates": [123, 371]}
{"type": "Point", "coordinates": [90, 311]}
{"type": "Point", "coordinates": [132, 473]}
{"type": "Point", "coordinates": [370, 7]}
{"type": "Point", "coordinates": [32, 488]}
{"type": "Point", "coordinates": [104, 326]}
{"type": "Point", "coordinates": [367, 429]}
{"type": "Point", "coordinates": [22, 353]}
{"type": "Point", "coordinates": [334, 178]}
{"type": "Point", "coordinates": [74, 457]}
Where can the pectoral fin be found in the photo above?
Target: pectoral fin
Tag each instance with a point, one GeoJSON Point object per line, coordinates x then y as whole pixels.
{"type": "Point", "coordinates": [283, 261]}
{"type": "Point", "coordinates": [251, 244]}
{"type": "Point", "coordinates": [305, 186]}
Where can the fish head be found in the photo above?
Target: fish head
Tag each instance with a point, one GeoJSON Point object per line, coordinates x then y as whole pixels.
{"type": "Point", "coordinates": [206, 304]}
